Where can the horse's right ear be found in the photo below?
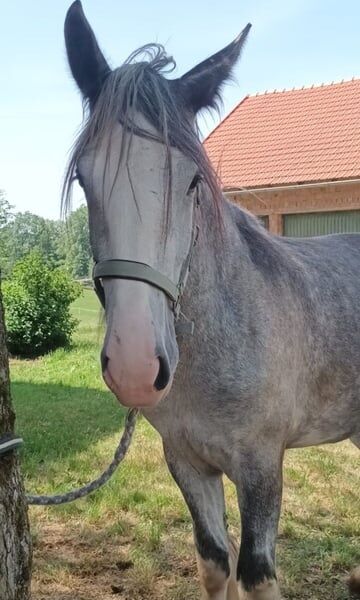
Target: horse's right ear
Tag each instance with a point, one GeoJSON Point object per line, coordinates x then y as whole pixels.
{"type": "Point", "coordinates": [87, 63]}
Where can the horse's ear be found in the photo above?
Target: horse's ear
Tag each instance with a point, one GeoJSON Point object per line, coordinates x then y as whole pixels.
{"type": "Point", "coordinates": [87, 63]}
{"type": "Point", "coordinates": [202, 85]}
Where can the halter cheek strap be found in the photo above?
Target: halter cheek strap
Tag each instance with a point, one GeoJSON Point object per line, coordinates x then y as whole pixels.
{"type": "Point", "coordinates": [117, 268]}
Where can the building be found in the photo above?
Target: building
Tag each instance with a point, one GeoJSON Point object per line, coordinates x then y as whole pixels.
{"type": "Point", "coordinates": [292, 157]}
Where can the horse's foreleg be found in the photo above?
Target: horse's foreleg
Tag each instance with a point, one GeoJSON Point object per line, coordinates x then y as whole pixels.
{"type": "Point", "coordinates": [259, 492]}
{"type": "Point", "coordinates": [204, 496]}
{"type": "Point", "coordinates": [356, 440]}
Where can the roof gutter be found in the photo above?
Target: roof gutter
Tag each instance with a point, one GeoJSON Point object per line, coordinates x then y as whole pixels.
{"type": "Point", "coordinates": [244, 190]}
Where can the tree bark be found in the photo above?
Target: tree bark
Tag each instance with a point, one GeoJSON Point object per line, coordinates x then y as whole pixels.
{"type": "Point", "coordinates": [15, 541]}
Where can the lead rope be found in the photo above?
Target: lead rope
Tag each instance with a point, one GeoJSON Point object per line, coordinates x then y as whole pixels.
{"type": "Point", "coordinates": [97, 483]}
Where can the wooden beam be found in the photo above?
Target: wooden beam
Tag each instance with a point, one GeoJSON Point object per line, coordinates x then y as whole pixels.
{"type": "Point", "coordinates": [276, 223]}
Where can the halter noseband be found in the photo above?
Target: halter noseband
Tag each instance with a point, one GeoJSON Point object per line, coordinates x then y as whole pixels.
{"type": "Point", "coordinates": [131, 269]}
{"type": "Point", "coordinates": [117, 268]}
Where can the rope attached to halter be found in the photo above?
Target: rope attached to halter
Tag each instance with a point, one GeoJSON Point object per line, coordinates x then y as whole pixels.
{"type": "Point", "coordinates": [119, 455]}
{"type": "Point", "coordinates": [13, 442]}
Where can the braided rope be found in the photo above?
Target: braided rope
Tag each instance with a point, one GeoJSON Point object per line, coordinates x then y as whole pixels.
{"type": "Point", "coordinates": [119, 455]}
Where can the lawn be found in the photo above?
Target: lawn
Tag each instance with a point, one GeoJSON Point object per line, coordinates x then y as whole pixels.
{"type": "Point", "coordinates": [132, 540]}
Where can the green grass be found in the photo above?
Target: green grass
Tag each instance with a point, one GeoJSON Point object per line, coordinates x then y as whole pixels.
{"type": "Point", "coordinates": [133, 537]}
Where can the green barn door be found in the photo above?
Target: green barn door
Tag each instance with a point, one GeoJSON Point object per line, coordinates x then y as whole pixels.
{"type": "Point", "coordinates": [310, 224]}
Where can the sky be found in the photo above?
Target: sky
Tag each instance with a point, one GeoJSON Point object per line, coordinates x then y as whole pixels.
{"type": "Point", "coordinates": [292, 43]}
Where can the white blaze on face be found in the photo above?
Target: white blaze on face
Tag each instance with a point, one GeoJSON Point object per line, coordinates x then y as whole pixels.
{"type": "Point", "coordinates": [127, 213]}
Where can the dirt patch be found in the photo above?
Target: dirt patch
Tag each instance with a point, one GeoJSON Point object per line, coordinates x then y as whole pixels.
{"type": "Point", "coordinates": [79, 565]}
{"type": "Point", "coordinates": [89, 564]}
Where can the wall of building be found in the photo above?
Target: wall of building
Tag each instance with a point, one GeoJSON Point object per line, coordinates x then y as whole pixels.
{"type": "Point", "coordinates": [274, 203]}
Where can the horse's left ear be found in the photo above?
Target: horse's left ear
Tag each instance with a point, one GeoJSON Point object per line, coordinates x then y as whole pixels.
{"type": "Point", "coordinates": [201, 86]}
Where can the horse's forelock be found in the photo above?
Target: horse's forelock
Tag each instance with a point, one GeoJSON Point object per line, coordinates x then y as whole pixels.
{"type": "Point", "coordinates": [139, 85]}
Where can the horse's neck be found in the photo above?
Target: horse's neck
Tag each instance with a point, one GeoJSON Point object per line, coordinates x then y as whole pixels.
{"type": "Point", "coordinates": [238, 273]}
{"type": "Point", "coordinates": [220, 262]}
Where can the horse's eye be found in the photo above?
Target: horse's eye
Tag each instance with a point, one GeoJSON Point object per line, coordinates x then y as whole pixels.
{"type": "Point", "coordinates": [195, 182]}
{"type": "Point", "coordinates": [79, 178]}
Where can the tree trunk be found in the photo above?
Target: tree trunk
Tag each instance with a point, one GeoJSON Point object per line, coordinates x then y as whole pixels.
{"type": "Point", "coordinates": [15, 543]}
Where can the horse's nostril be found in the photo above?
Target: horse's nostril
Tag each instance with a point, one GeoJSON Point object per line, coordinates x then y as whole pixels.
{"type": "Point", "coordinates": [163, 375]}
{"type": "Point", "coordinates": [104, 361]}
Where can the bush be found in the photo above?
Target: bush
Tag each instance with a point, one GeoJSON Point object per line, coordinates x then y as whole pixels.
{"type": "Point", "coordinates": [37, 307]}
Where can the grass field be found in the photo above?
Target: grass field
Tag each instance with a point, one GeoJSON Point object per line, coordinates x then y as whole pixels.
{"type": "Point", "coordinates": [132, 540]}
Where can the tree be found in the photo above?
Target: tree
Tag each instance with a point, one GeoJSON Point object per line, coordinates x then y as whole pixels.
{"type": "Point", "coordinates": [5, 209]}
{"type": "Point", "coordinates": [60, 244]}
{"type": "Point", "coordinates": [15, 543]}
{"type": "Point", "coordinates": [78, 252]}
{"type": "Point", "coordinates": [27, 232]}
{"type": "Point", "coordinates": [5, 218]}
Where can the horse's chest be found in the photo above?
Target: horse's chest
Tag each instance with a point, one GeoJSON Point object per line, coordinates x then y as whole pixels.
{"type": "Point", "coordinates": [194, 436]}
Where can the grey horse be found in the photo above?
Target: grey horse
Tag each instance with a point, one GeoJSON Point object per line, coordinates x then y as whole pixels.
{"type": "Point", "coordinates": [274, 359]}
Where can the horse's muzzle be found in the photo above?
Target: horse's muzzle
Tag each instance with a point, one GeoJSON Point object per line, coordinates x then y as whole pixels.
{"type": "Point", "coordinates": [150, 383]}
{"type": "Point", "coordinates": [136, 358]}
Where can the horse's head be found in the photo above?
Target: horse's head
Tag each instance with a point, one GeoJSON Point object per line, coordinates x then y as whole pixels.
{"type": "Point", "coordinates": [140, 163]}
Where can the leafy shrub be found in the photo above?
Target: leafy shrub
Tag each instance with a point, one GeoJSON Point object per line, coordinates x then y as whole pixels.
{"type": "Point", "coordinates": [37, 307]}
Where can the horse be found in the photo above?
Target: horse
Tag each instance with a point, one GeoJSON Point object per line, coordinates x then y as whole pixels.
{"type": "Point", "coordinates": [235, 344]}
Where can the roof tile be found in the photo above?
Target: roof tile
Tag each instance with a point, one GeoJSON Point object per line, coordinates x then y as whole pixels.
{"type": "Point", "coordinates": [287, 137]}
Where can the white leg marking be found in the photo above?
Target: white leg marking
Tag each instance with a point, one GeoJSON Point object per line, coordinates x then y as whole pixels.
{"type": "Point", "coordinates": [213, 580]}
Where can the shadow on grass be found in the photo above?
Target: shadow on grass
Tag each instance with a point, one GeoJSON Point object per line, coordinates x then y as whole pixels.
{"type": "Point", "coordinates": [57, 421]}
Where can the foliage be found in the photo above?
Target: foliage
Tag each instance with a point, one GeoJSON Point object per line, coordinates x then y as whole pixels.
{"type": "Point", "coordinates": [5, 218]}
{"type": "Point", "coordinates": [77, 243]}
{"type": "Point", "coordinates": [27, 232]}
{"type": "Point", "coordinates": [5, 209]}
{"type": "Point", "coordinates": [60, 244]}
{"type": "Point", "coordinates": [37, 299]}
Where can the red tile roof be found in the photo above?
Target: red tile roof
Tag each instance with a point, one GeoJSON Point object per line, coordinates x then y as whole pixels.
{"type": "Point", "coordinates": [289, 137]}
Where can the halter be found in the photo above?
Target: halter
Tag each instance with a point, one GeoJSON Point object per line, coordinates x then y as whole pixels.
{"type": "Point", "coordinates": [117, 268]}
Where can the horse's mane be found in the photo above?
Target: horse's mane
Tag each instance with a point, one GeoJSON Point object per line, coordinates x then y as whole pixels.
{"type": "Point", "coordinates": [141, 86]}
